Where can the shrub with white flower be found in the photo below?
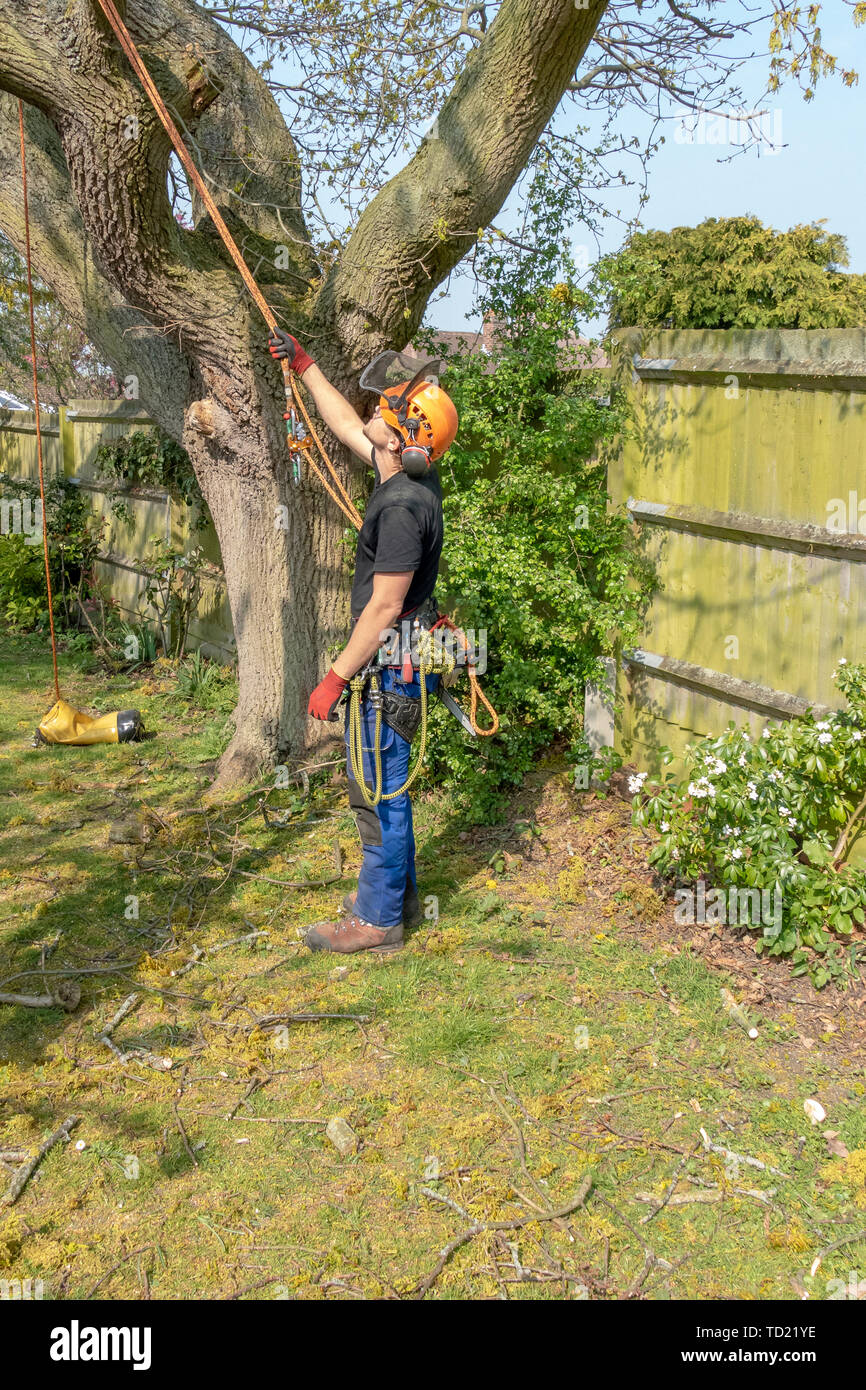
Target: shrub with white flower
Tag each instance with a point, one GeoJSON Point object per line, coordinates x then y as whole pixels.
{"type": "Point", "coordinates": [782, 811]}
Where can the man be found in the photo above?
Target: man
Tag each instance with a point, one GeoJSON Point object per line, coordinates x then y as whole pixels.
{"type": "Point", "coordinates": [396, 567]}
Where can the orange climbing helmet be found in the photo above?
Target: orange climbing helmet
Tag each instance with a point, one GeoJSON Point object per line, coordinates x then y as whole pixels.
{"type": "Point", "coordinates": [413, 403]}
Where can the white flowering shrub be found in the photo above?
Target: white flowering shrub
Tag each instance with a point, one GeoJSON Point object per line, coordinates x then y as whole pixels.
{"type": "Point", "coordinates": [781, 811]}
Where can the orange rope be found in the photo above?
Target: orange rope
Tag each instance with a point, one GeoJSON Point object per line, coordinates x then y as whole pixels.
{"type": "Point", "coordinates": [475, 691]}
{"type": "Point", "coordinates": [346, 504]}
{"type": "Point", "coordinates": [125, 40]}
{"type": "Point", "coordinates": [36, 396]}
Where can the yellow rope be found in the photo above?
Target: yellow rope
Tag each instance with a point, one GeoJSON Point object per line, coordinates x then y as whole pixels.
{"type": "Point", "coordinates": [356, 741]}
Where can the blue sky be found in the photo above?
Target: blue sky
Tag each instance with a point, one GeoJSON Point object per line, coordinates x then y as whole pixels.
{"type": "Point", "coordinates": [820, 171]}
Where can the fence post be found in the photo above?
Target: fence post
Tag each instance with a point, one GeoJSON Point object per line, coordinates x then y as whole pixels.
{"type": "Point", "coordinates": [67, 443]}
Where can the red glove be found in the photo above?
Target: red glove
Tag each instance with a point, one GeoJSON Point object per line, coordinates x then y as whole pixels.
{"type": "Point", "coordinates": [282, 345]}
{"type": "Point", "coordinates": [323, 701]}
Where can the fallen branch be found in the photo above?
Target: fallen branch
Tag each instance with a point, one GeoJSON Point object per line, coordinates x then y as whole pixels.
{"type": "Point", "coordinates": [108, 1273]}
{"type": "Point", "coordinates": [669, 1192]}
{"type": "Point", "coordinates": [837, 1244]}
{"type": "Point", "coordinates": [26, 1171]}
{"type": "Point", "coordinates": [65, 995]}
{"type": "Point", "coordinates": [478, 1227]}
{"type": "Point", "coordinates": [268, 1020]}
{"type": "Point", "coordinates": [143, 1055]}
{"type": "Point", "coordinates": [651, 1259]}
{"type": "Point", "coordinates": [739, 1158]}
{"type": "Point", "coordinates": [183, 1134]}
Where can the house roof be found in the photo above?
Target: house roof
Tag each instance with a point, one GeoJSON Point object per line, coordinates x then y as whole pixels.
{"type": "Point", "coordinates": [576, 351]}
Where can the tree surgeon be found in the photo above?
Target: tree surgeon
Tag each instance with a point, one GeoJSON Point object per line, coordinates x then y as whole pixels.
{"type": "Point", "coordinates": [396, 567]}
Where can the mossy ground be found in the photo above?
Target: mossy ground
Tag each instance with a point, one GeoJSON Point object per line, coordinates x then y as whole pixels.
{"type": "Point", "coordinates": [552, 1023]}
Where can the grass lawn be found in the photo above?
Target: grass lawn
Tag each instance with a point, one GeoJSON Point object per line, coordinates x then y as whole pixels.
{"type": "Point", "coordinates": [552, 1025]}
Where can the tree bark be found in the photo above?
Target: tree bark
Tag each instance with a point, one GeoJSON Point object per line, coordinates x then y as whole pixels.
{"type": "Point", "coordinates": [165, 303]}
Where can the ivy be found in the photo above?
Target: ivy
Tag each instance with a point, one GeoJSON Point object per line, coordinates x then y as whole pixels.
{"type": "Point", "coordinates": [150, 458]}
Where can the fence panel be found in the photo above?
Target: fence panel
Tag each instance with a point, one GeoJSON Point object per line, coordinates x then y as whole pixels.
{"type": "Point", "coordinates": [742, 471]}
{"type": "Point", "coordinates": [71, 438]}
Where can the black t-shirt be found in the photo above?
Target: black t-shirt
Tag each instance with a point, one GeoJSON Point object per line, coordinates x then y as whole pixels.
{"type": "Point", "coordinates": [402, 531]}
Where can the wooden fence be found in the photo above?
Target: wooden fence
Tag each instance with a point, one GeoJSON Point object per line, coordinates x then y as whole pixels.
{"type": "Point", "coordinates": [742, 468]}
{"type": "Point", "coordinates": [745, 471]}
{"type": "Point", "coordinates": [71, 437]}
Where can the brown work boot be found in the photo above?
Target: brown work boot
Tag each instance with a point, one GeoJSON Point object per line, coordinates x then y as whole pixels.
{"type": "Point", "coordinates": [412, 914]}
{"type": "Point", "coordinates": [352, 933]}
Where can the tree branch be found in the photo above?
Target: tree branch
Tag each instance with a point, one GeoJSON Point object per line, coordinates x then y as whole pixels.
{"type": "Point", "coordinates": [63, 258]}
{"type": "Point", "coordinates": [426, 218]}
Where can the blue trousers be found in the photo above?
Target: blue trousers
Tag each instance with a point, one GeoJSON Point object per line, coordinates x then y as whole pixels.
{"type": "Point", "coordinates": [387, 841]}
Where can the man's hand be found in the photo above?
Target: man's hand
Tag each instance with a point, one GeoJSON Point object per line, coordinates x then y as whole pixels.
{"type": "Point", "coordinates": [282, 346]}
{"type": "Point", "coordinates": [325, 697]}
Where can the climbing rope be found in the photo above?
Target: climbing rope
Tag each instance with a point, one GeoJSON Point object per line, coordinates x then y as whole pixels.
{"type": "Point", "coordinates": [475, 691]}
{"type": "Point", "coordinates": [356, 738]}
{"type": "Point", "coordinates": [27, 258]}
{"type": "Point", "coordinates": [124, 38]}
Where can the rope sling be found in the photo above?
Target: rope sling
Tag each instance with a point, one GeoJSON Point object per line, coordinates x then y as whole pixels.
{"type": "Point", "coordinates": [295, 403]}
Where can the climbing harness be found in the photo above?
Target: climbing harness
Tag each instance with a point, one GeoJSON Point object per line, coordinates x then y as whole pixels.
{"type": "Point", "coordinates": [432, 656]}
{"type": "Point", "coordinates": [307, 445]}
{"type": "Point", "coordinates": [63, 723]}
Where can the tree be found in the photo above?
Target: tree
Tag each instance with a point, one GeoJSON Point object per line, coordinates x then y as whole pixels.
{"type": "Point", "coordinates": [162, 301]}
{"type": "Point", "coordinates": [733, 272]}
{"type": "Point", "coordinates": [67, 364]}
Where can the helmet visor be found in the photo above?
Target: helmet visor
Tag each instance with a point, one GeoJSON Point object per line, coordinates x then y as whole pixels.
{"type": "Point", "coordinates": [391, 370]}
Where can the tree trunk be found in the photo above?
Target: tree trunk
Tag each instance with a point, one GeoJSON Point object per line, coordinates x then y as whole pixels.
{"type": "Point", "coordinates": [285, 580]}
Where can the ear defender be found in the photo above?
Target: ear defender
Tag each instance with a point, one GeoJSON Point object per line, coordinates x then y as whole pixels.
{"type": "Point", "coordinates": [415, 460]}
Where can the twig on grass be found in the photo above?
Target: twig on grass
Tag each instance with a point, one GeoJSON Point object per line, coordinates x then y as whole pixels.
{"type": "Point", "coordinates": [739, 1158]}
{"type": "Point", "coordinates": [668, 1194]}
{"type": "Point", "coordinates": [837, 1244]}
{"type": "Point", "coordinates": [183, 1134]}
{"type": "Point", "coordinates": [26, 1171]}
{"type": "Point", "coordinates": [65, 995]}
{"type": "Point", "coordinates": [107, 1275]}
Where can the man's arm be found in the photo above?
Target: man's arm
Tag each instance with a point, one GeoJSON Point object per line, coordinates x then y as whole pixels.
{"type": "Point", "coordinates": [337, 413]}
{"type": "Point", "coordinates": [333, 407]}
{"type": "Point", "coordinates": [381, 613]}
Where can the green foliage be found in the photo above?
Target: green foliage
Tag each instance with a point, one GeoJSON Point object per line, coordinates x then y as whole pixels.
{"type": "Point", "coordinates": [532, 554]}
{"type": "Point", "coordinates": [778, 812]}
{"type": "Point", "coordinates": [207, 685]}
{"type": "Point", "coordinates": [172, 590]}
{"type": "Point", "coordinates": [733, 272]}
{"type": "Point", "coordinates": [140, 642]}
{"type": "Point", "coordinates": [74, 538]}
{"type": "Point", "coordinates": [150, 458]}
